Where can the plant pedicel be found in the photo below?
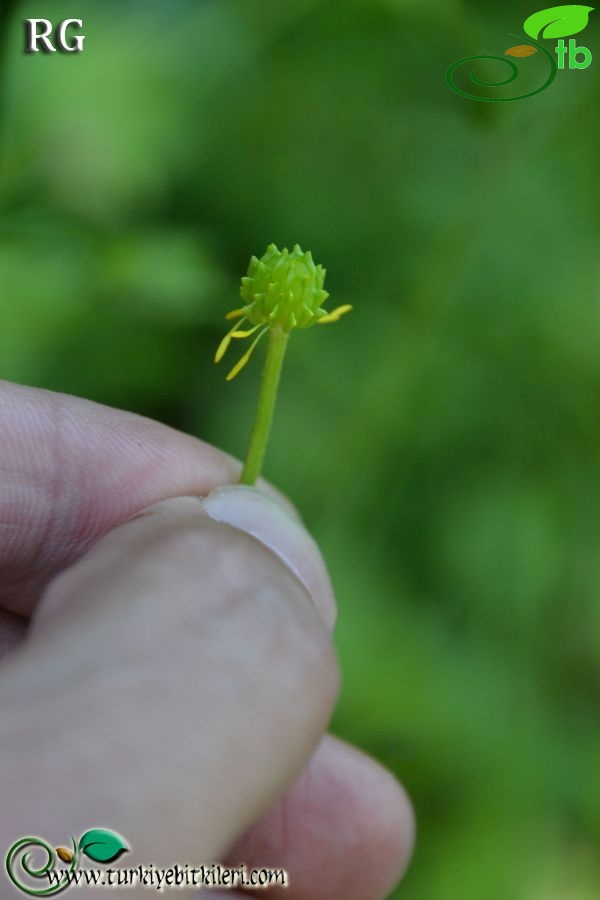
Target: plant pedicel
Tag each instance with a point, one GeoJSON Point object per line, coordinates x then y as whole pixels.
{"type": "Point", "coordinates": [281, 291]}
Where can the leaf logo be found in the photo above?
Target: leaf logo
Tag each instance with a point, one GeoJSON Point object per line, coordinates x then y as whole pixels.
{"type": "Point", "coordinates": [558, 21]}
{"type": "Point", "coordinates": [102, 845]}
{"type": "Point", "coordinates": [64, 854]}
{"type": "Point", "coordinates": [521, 50]}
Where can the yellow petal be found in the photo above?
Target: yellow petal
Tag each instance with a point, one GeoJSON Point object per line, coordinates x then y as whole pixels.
{"type": "Point", "coordinates": [335, 314]}
{"type": "Point", "coordinates": [242, 362]}
{"type": "Point", "coordinates": [235, 313]}
{"type": "Point", "coordinates": [244, 334]}
{"type": "Point", "coordinates": [222, 348]}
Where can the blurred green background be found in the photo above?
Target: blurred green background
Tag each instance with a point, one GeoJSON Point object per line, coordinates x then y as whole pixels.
{"type": "Point", "coordinates": [441, 442]}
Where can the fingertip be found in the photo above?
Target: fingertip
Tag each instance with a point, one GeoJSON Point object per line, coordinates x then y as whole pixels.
{"type": "Point", "coordinates": [271, 524]}
{"type": "Point", "coordinates": [388, 820]}
{"type": "Point", "coordinates": [346, 829]}
{"type": "Point", "coordinates": [273, 493]}
{"type": "Point", "coordinates": [375, 819]}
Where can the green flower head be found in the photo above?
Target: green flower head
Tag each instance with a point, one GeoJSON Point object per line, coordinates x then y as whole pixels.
{"type": "Point", "coordinates": [281, 290]}
{"type": "Point", "coordinates": [284, 288]}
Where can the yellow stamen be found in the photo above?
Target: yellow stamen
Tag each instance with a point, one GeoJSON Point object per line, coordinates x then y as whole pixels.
{"type": "Point", "coordinates": [240, 365]}
{"type": "Point", "coordinates": [335, 314]}
{"type": "Point", "coordinates": [245, 334]}
{"type": "Point", "coordinates": [222, 348]}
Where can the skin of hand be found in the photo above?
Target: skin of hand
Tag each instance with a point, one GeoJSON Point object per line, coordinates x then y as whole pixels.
{"type": "Point", "coordinates": [167, 668]}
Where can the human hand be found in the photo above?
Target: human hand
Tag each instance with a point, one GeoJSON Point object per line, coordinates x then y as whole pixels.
{"type": "Point", "coordinates": [167, 666]}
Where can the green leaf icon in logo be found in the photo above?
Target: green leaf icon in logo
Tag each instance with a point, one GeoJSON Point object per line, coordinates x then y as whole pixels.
{"type": "Point", "coordinates": [102, 845]}
{"type": "Point", "coordinates": [558, 21]}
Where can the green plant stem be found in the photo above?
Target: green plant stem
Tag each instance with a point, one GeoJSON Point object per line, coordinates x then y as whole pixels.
{"type": "Point", "coordinates": [266, 405]}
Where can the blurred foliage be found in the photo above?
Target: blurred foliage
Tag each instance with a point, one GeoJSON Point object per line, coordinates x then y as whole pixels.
{"type": "Point", "coordinates": [442, 442]}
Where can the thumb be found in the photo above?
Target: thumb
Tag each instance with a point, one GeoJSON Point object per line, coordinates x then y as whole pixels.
{"type": "Point", "coordinates": [175, 682]}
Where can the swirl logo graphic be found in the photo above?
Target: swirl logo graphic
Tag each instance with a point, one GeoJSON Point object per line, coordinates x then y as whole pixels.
{"type": "Point", "coordinates": [98, 844]}
{"type": "Point", "coordinates": [556, 22]}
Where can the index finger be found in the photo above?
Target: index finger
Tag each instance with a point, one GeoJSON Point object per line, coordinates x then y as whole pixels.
{"type": "Point", "coordinates": [71, 469]}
